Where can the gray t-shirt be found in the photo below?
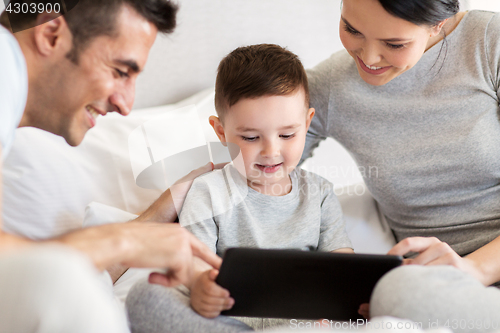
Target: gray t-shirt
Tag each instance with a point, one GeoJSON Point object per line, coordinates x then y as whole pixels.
{"type": "Point", "coordinates": [223, 212]}
{"type": "Point", "coordinates": [430, 137]}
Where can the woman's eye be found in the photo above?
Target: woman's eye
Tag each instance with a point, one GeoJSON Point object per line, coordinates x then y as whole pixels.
{"type": "Point", "coordinates": [395, 46]}
{"type": "Point", "coordinates": [287, 136]}
{"type": "Point", "coordinates": [351, 30]}
{"type": "Point", "coordinates": [250, 138]}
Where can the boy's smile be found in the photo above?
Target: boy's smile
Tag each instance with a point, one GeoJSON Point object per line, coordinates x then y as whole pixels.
{"type": "Point", "coordinates": [270, 132]}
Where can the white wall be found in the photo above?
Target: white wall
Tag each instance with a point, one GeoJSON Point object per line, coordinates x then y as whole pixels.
{"type": "Point", "coordinates": [493, 5]}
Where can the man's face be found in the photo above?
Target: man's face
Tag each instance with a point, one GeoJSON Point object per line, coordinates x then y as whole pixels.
{"type": "Point", "coordinates": [102, 81]}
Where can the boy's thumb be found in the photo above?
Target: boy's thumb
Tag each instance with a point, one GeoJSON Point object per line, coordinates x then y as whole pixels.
{"type": "Point", "coordinates": [213, 274]}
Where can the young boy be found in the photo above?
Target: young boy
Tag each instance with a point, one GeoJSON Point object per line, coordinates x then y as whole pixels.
{"type": "Point", "coordinates": [261, 199]}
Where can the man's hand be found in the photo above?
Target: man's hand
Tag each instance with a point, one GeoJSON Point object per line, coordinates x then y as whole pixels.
{"type": "Point", "coordinates": [207, 297]}
{"type": "Point", "coordinates": [144, 244]}
{"type": "Point", "coordinates": [166, 208]}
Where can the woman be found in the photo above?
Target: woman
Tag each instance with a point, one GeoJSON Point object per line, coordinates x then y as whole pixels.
{"type": "Point", "coordinates": [416, 95]}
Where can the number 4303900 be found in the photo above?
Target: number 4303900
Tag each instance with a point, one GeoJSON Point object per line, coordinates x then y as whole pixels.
{"type": "Point", "coordinates": [32, 8]}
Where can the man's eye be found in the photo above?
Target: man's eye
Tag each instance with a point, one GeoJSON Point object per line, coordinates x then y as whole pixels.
{"type": "Point", "coordinates": [249, 138]}
{"type": "Point", "coordinates": [287, 136]}
{"type": "Point", "coordinates": [121, 74]}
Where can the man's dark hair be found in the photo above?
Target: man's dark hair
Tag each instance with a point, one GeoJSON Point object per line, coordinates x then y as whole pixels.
{"type": "Point", "coordinates": [93, 18]}
{"type": "Point", "coordinates": [256, 71]}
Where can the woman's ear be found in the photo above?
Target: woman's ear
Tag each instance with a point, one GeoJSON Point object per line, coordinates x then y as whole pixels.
{"type": "Point", "coordinates": [309, 117]}
{"type": "Point", "coordinates": [218, 128]}
{"type": "Point", "coordinates": [435, 30]}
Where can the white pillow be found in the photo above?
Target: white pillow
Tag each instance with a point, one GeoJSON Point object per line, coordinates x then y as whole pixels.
{"type": "Point", "coordinates": [366, 226]}
{"type": "Point", "coordinates": [98, 214]}
{"type": "Point", "coordinates": [47, 184]}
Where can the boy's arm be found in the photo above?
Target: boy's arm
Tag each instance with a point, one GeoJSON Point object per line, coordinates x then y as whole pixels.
{"type": "Point", "coordinates": [197, 215]}
{"type": "Point", "coordinates": [333, 234]}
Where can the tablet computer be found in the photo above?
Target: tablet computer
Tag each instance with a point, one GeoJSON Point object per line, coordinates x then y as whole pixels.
{"type": "Point", "coordinates": [299, 284]}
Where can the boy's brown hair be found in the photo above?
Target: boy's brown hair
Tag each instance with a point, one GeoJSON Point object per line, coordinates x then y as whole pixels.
{"type": "Point", "coordinates": [256, 71]}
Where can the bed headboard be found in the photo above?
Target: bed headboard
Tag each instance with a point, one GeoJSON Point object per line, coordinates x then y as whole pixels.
{"type": "Point", "coordinates": [185, 62]}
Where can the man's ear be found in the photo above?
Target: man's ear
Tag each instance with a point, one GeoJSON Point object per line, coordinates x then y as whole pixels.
{"type": "Point", "coordinates": [51, 33]}
{"type": "Point", "coordinates": [309, 117]}
{"type": "Point", "coordinates": [218, 128]}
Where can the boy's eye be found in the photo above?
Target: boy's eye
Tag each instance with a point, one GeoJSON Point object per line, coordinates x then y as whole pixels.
{"type": "Point", "coordinates": [287, 136]}
{"type": "Point", "coordinates": [249, 138]}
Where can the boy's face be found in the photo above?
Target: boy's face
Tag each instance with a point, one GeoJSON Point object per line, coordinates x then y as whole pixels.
{"type": "Point", "coordinates": [270, 132]}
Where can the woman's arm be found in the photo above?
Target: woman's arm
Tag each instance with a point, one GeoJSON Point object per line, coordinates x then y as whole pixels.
{"type": "Point", "coordinates": [483, 263]}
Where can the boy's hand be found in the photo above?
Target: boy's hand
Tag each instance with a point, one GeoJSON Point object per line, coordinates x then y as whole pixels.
{"type": "Point", "coordinates": [364, 310]}
{"type": "Point", "coordinates": [207, 297]}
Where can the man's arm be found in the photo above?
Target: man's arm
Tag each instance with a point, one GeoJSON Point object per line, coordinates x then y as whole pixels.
{"type": "Point", "coordinates": [166, 208]}
{"type": "Point", "coordinates": [133, 244]}
{"type": "Point", "coordinates": [10, 242]}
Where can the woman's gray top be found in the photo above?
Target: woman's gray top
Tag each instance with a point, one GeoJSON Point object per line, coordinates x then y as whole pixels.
{"type": "Point", "coordinates": [430, 137]}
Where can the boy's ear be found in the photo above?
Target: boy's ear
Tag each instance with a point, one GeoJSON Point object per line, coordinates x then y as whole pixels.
{"type": "Point", "coordinates": [309, 117]}
{"type": "Point", "coordinates": [218, 128]}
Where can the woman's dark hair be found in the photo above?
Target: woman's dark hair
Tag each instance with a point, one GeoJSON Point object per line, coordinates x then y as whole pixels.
{"type": "Point", "coordinates": [422, 12]}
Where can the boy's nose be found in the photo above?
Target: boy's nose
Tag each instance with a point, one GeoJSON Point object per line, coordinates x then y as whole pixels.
{"type": "Point", "coordinates": [270, 150]}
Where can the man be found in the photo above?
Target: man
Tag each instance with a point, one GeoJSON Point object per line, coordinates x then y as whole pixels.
{"type": "Point", "coordinates": [57, 75]}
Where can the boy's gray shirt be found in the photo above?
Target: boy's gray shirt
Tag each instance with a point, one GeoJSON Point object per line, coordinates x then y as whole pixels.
{"type": "Point", "coordinates": [222, 211]}
{"type": "Point", "coordinates": [428, 141]}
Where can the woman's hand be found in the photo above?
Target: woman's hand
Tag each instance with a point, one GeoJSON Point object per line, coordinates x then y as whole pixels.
{"type": "Point", "coordinates": [432, 251]}
{"type": "Point", "coordinates": [166, 208]}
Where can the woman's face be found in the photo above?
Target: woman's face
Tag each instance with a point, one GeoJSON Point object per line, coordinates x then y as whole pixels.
{"type": "Point", "coordinates": [383, 46]}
